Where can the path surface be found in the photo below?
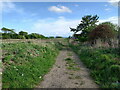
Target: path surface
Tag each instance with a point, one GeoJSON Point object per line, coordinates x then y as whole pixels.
{"type": "Point", "coordinates": [61, 77]}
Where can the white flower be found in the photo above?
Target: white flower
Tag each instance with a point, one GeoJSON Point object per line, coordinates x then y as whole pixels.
{"type": "Point", "coordinates": [40, 77]}
{"type": "Point", "coordinates": [22, 74]}
{"type": "Point", "coordinates": [0, 72]}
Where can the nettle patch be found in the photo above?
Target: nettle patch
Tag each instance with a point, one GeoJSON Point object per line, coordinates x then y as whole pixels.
{"type": "Point", "coordinates": [25, 64]}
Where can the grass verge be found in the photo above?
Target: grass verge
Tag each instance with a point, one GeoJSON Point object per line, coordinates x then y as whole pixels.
{"type": "Point", "coordinates": [104, 64]}
{"type": "Point", "coordinates": [25, 64]}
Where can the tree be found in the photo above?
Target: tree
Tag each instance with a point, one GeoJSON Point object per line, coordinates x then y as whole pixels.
{"type": "Point", "coordinates": [103, 32]}
{"type": "Point", "coordinates": [87, 24]}
{"type": "Point", "coordinates": [58, 37]}
{"type": "Point", "coordinates": [35, 36]}
{"type": "Point", "coordinates": [23, 33]}
{"type": "Point", "coordinates": [114, 27]}
{"type": "Point", "coordinates": [8, 33]}
{"type": "Point", "coordinates": [119, 39]}
{"type": "Point", "coordinates": [6, 30]}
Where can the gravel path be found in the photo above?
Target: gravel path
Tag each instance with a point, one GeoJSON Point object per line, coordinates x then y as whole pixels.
{"type": "Point", "coordinates": [62, 77]}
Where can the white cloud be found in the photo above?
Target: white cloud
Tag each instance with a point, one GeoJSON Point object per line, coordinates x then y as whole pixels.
{"type": "Point", "coordinates": [61, 26]}
{"type": "Point", "coordinates": [54, 27]}
{"type": "Point", "coordinates": [114, 2]}
{"type": "Point", "coordinates": [105, 5]}
{"type": "Point", "coordinates": [76, 5]}
{"type": "Point", "coordinates": [59, 9]}
{"type": "Point", "coordinates": [10, 6]}
{"type": "Point", "coordinates": [111, 19]}
{"type": "Point", "coordinates": [108, 9]}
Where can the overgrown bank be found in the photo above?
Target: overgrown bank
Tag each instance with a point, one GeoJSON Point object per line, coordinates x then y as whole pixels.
{"type": "Point", "coordinates": [25, 64]}
{"type": "Point", "coordinates": [104, 64]}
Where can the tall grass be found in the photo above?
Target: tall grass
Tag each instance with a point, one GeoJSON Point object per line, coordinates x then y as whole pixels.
{"type": "Point", "coordinates": [104, 64]}
{"type": "Point", "coordinates": [25, 64]}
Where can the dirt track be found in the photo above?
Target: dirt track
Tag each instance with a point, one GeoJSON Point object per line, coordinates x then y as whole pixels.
{"type": "Point", "coordinates": [61, 77]}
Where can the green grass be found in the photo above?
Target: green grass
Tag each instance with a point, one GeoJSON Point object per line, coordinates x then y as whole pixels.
{"type": "Point", "coordinates": [25, 64]}
{"type": "Point", "coordinates": [104, 64]}
{"type": "Point", "coordinates": [71, 64]}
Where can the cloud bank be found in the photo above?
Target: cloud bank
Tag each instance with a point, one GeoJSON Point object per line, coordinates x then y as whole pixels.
{"type": "Point", "coordinates": [60, 26]}
{"type": "Point", "coordinates": [114, 2]}
{"type": "Point", "coordinates": [52, 27]}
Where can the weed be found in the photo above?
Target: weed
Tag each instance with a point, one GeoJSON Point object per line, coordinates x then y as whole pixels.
{"type": "Point", "coordinates": [71, 64]}
{"type": "Point", "coordinates": [77, 77]}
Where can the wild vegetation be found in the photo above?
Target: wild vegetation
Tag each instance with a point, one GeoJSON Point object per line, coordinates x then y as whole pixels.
{"type": "Point", "coordinates": [104, 64]}
{"type": "Point", "coordinates": [89, 32]}
{"type": "Point", "coordinates": [25, 63]}
{"type": "Point", "coordinates": [98, 47]}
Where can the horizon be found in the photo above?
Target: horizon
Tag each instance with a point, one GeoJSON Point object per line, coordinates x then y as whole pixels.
{"type": "Point", "coordinates": [54, 18]}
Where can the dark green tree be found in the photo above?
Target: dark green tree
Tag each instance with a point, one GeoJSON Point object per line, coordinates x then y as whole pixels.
{"type": "Point", "coordinates": [36, 36]}
{"type": "Point", "coordinates": [23, 33]}
{"type": "Point", "coordinates": [119, 38]}
{"type": "Point", "coordinates": [87, 24]}
{"type": "Point", "coordinates": [6, 30]}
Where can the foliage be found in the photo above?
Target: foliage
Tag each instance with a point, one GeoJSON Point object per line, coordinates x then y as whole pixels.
{"type": "Point", "coordinates": [87, 24]}
{"type": "Point", "coordinates": [114, 27]}
{"type": "Point", "coordinates": [102, 31]}
{"type": "Point", "coordinates": [25, 64]}
{"type": "Point", "coordinates": [6, 30]}
{"type": "Point", "coordinates": [103, 63]}
{"type": "Point", "coordinates": [23, 33]}
{"type": "Point", "coordinates": [71, 65]}
{"type": "Point", "coordinates": [10, 34]}
{"type": "Point", "coordinates": [51, 37]}
{"type": "Point", "coordinates": [58, 36]}
{"type": "Point", "coordinates": [35, 36]}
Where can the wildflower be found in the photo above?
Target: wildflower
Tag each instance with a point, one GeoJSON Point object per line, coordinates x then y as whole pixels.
{"type": "Point", "coordinates": [14, 67]}
{"type": "Point", "coordinates": [0, 72]}
{"type": "Point", "coordinates": [22, 74]}
{"type": "Point", "coordinates": [40, 77]}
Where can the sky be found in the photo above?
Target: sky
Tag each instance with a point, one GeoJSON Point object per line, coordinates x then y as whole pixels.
{"type": "Point", "coordinates": [54, 18]}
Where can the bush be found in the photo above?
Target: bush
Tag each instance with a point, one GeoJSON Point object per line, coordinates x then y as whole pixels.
{"type": "Point", "coordinates": [101, 32]}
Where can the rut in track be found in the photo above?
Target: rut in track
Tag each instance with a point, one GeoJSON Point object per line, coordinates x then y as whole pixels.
{"type": "Point", "coordinates": [62, 77]}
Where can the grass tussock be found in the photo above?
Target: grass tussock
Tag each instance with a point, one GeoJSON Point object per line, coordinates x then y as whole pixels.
{"type": "Point", "coordinates": [71, 65]}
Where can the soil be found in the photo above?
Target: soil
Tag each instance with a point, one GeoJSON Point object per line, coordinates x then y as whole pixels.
{"type": "Point", "coordinates": [61, 77]}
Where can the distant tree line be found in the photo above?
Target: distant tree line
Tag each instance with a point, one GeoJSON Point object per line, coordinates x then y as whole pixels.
{"type": "Point", "coordinates": [11, 34]}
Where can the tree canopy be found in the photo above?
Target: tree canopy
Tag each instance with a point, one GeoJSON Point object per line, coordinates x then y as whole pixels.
{"type": "Point", "coordinates": [11, 34]}
{"type": "Point", "coordinates": [102, 31]}
{"type": "Point", "coordinates": [87, 24]}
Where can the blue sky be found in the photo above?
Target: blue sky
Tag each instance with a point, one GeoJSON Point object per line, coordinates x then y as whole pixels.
{"type": "Point", "coordinates": [54, 18]}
